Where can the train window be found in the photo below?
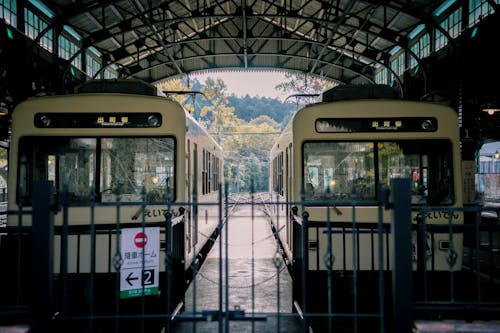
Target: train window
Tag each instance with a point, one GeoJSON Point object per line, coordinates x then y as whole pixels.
{"type": "Point", "coordinates": [131, 164]}
{"type": "Point", "coordinates": [278, 174]}
{"type": "Point", "coordinates": [105, 165]}
{"type": "Point", "coordinates": [427, 163]}
{"type": "Point", "coordinates": [347, 171]}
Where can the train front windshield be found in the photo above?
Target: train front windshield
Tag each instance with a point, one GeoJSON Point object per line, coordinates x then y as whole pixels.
{"type": "Point", "coordinates": [108, 167]}
{"type": "Point", "coordinates": [347, 171]}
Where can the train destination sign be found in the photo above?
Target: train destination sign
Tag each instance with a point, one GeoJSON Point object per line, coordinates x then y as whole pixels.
{"type": "Point", "coordinates": [140, 250]}
{"type": "Point", "coordinates": [376, 124]}
{"type": "Point", "coordinates": [98, 120]}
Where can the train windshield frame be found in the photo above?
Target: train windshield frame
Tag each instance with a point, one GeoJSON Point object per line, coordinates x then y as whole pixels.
{"type": "Point", "coordinates": [354, 171]}
{"type": "Point", "coordinates": [126, 169]}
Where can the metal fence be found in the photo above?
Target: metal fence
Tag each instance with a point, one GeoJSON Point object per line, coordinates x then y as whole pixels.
{"type": "Point", "coordinates": [68, 277]}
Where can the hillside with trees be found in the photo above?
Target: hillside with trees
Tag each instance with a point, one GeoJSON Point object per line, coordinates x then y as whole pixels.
{"type": "Point", "coordinates": [246, 127]}
{"type": "Point", "coordinates": [248, 108]}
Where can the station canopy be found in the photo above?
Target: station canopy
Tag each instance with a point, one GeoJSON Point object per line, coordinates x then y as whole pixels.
{"type": "Point", "coordinates": [151, 40]}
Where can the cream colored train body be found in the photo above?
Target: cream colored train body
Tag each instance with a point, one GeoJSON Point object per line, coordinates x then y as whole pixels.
{"type": "Point", "coordinates": [340, 154]}
{"type": "Point", "coordinates": [134, 157]}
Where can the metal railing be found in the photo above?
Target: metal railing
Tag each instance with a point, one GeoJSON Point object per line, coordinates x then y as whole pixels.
{"type": "Point", "coordinates": [54, 280]}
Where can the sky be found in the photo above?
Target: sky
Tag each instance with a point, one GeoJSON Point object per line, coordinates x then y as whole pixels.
{"type": "Point", "coordinates": [253, 83]}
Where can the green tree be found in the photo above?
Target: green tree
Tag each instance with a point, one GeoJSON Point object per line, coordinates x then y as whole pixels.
{"type": "Point", "coordinates": [173, 89]}
{"type": "Point", "coordinates": [248, 108]}
{"type": "Point", "coordinates": [303, 84]}
{"type": "Point", "coordinates": [218, 114]}
{"type": "Point", "coordinates": [248, 153]}
{"type": "Point", "coordinates": [246, 139]}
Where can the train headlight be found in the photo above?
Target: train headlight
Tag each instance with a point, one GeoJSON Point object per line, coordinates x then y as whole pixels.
{"type": "Point", "coordinates": [154, 121]}
{"type": "Point", "coordinates": [427, 125]}
{"type": "Point", "coordinates": [44, 121]}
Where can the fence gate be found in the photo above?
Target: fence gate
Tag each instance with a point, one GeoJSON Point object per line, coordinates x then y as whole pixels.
{"type": "Point", "coordinates": [243, 283]}
{"type": "Point", "coordinates": [231, 274]}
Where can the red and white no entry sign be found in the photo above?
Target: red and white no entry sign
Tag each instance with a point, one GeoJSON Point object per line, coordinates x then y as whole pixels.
{"type": "Point", "coordinates": [140, 270]}
{"type": "Point", "coordinates": [140, 240]}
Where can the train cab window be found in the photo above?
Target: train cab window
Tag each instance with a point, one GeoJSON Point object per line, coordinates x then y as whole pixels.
{"type": "Point", "coordinates": [347, 171]}
{"type": "Point", "coordinates": [337, 170]}
{"type": "Point", "coordinates": [130, 164]}
{"type": "Point", "coordinates": [428, 164]}
{"type": "Point", "coordinates": [105, 166]}
{"type": "Point", "coordinates": [65, 161]}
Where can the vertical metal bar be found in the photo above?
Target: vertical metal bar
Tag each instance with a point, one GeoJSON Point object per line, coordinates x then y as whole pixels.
{"type": "Point", "coordinates": [226, 244]}
{"type": "Point", "coordinates": [278, 263]}
{"type": "Point", "coordinates": [421, 253]}
{"type": "Point", "coordinates": [19, 254]}
{"type": "Point", "coordinates": [491, 258]}
{"type": "Point", "coordinates": [64, 257]}
{"type": "Point", "coordinates": [477, 240]}
{"type": "Point", "coordinates": [401, 268]}
{"type": "Point", "coordinates": [355, 265]}
{"type": "Point", "coordinates": [305, 267]}
{"type": "Point", "coordinates": [193, 232]}
{"type": "Point", "coordinates": [168, 267]}
{"type": "Point", "coordinates": [92, 260]}
{"type": "Point", "coordinates": [221, 318]}
{"type": "Point", "coordinates": [381, 282]}
{"type": "Point", "coordinates": [117, 262]}
{"type": "Point", "coordinates": [452, 255]}
{"type": "Point", "coordinates": [252, 192]}
{"type": "Point", "coordinates": [329, 264]}
{"type": "Point", "coordinates": [304, 259]}
{"type": "Point", "coordinates": [42, 256]}
{"type": "Point", "coordinates": [143, 258]}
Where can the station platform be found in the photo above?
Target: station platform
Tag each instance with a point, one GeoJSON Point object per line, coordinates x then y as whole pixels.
{"type": "Point", "coordinates": [255, 269]}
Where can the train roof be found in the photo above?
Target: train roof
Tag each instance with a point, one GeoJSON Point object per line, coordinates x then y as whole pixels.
{"type": "Point", "coordinates": [123, 86]}
{"type": "Point", "coordinates": [356, 92]}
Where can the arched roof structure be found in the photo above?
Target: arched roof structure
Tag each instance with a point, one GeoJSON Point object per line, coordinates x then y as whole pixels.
{"type": "Point", "coordinates": [342, 40]}
{"type": "Point", "coordinates": [347, 41]}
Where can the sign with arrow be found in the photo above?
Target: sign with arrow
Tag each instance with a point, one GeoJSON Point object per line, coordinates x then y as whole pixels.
{"type": "Point", "coordinates": [139, 273]}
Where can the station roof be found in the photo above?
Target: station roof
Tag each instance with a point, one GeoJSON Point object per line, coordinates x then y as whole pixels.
{"type": "Point", "coordinates": [152, 40]}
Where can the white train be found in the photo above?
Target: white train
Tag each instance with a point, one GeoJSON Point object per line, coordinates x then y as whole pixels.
{"type": "Point", "coordinates": [332, 160]}
{"type": "Point", "coordinates": [125, 156]}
